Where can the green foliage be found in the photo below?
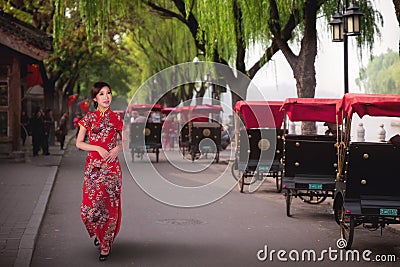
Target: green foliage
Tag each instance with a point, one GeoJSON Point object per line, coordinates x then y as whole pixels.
{"type": "Point", "coordinates": [154, 49]}
{"type": "Point", "coordinates": [78, 60]}
{"type": "Point", "coordinates": [217, 22]}
{"type": "Point", "coordinates": [85, 31]}
{"type": "Point", "coordinates": [97, 15]}
{"type": "Point", "coordinates": [382, 75]}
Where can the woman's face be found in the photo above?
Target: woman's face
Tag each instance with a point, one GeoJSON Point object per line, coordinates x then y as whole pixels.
{"type": "Point", "coordinates": [104, 98]}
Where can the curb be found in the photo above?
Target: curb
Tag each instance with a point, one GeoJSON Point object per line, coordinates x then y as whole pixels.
{"type": "Point", "coordinates": [392, 229]}
{"type": "Point", "coordinates": [29, 238]}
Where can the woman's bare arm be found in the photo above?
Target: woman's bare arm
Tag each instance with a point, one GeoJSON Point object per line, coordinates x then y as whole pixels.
{"type": "Point", "coordinates": [80, 143]}
{"type": "Point", "coordinates": [114, 152]}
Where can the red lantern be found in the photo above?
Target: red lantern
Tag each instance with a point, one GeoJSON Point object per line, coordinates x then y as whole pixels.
{"type": "Point", "coordinates": [84, 105]}
{"type": "Point", "coordinates": [72, 99]}
{"type": "Point", "coordinates": [33, 77]}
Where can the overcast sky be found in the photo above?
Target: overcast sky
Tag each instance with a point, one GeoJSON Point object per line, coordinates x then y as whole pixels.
{"type": "Point", "coordinates": [276, 79]}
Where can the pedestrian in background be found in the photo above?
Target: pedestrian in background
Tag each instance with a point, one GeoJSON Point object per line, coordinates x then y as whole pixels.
{"type": "Point", "coordinates": [63, 129]}
{"type": "Point", "coordinates": [24, 126]}
{"type": "Point", "coordinates": [101, 201]}
{"type": "Point", "coordinates": [37, 128]}
{"type": "Point", "coordinates": [169, 132]}
{"type": "Point", "coordinates": [48, 122]}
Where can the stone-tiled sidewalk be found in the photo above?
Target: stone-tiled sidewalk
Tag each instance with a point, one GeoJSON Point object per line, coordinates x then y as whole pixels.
{"type": "Point", "coordinates": [24, 191]}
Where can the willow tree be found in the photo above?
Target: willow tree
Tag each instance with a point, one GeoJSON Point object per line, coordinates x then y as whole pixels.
{"type": "Point", "coordinates": [156, 48]}
{"type": "Point", "coordinates": [277, 25]}
{"type": "Point", "coordinates": [75, 54]}
{"type": "Point", "coordinates": [382, 74]}
{"type": "Point", "coordinates": [224, 31]}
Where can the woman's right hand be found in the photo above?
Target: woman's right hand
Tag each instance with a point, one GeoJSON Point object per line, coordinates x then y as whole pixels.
{"type": "Point", "coordinates": [103, 152]}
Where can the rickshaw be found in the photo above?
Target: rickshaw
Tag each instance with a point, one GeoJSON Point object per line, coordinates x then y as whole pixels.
{"type": "Point", "coordinates": [310, 161]}
{"type": "Point", "coordinates": [169, 126]}
{"type": "Point", "coordinates": [145, 130]}
{"type": "Point", "coordinates": [255, 138]}
{"type": "Point", "coordinates": [199, 125]}
{"type": "Point", "coordinates": [367, 187]}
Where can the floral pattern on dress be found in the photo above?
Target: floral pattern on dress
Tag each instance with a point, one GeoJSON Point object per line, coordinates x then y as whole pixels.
{"type": "Point", "coordinates": [101, 201]}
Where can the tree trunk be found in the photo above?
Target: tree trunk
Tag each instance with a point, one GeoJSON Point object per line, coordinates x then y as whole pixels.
{"type": "Point", "coordinates": [48, 88]}
{"type": "Point", "coordinates": [302, 65]}
{"type": "Point", "coordinates": [396, 4]}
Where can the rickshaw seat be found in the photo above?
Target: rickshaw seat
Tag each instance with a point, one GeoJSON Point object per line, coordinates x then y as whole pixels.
{"type": "Point", "coordinates": [310, 155]}
{"type": "Point", "coordinates": [373, 171]}
{"type": "Point", "coordinates": [249, 145]}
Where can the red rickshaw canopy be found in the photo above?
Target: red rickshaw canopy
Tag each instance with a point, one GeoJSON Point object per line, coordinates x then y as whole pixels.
{"type": "Point", "coordinates": [255, 113]}
{"type": "Point", "coordinates": [369, 104]}
{"type": "Point", "coordinates": [199, 112]}
{"type": "Point", "coordinates": [144, 107]}
{"type": "Point", "coordinates": [311, 109]}
{"type": "Point", "coordinates": [168, 110]}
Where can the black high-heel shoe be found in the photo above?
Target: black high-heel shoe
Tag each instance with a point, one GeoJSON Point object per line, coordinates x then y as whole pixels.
{"type": "Point", "coordinates": [96, 242]}
{"type": "Point", "coordinates": [103, 257]}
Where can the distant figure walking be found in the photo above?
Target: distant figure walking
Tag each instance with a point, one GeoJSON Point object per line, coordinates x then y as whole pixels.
{"type": "Point", "coordinates": [48, 124]}
{"type": "Point", "coordinates": [63, 129]}
{"type": "Point", "coordinates": [37, 128]}
{"type": "Point", "coordinates": [24, 127]}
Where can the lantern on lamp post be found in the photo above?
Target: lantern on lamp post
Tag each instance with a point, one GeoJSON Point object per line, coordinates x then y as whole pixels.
{"type": "Point", "coordinates": [343, 26]}
{"type": "Point", "coordinates": [337, 27]}
{"type": "Point", "coordinates": [352, 20]}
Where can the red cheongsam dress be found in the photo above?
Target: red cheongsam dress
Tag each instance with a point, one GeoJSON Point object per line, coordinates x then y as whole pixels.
{"type": "Point", "coordinates": [101, 202]}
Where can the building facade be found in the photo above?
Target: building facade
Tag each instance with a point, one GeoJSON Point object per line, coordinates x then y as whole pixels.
{"type": "Point", "coordinates": [21, 46]}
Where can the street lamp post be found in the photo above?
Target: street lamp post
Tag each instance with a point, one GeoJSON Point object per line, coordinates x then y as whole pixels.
{"type": "Point", "coordinates": [343, 26]}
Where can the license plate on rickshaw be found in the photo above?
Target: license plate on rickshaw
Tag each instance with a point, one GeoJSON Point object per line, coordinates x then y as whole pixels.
{"type": "Point", "coordinates": [315, 186]}
{"type": "Point", "coordinates": [389, 212]}
{"type": "Point", "coordinates": [263, 168]}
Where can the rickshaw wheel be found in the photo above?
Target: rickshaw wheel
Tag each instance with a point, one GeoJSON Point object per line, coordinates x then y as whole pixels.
{"type": "Point", "coordinates": [313, 200]}
{"type": "Point", "coordinates": [192, 153]}
{"type": "Point", "coordinates": [337, 211]}
{"type": "Point", "coordinates": [278, 181]}
{"type": "Point", "coordinates": [157, 154]}
{"type": "Point", "coordinates": [217, 157]}
{"type": "Point", "coordinates": [182, 149]}
{"type": "Point", "coordinates": [246, 178]}
{"type": "Point", "coordinates": [235, 172]}
{"type": "Point", "coordinates": [288, 198]}
{"type": "Point", "coordinates": [241, 182]}
{"type": "Point", "coordinates": [347, 225]}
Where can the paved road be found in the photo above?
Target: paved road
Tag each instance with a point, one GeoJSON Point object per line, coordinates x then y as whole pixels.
{"type": "Point", "coordinates": [228, 232]}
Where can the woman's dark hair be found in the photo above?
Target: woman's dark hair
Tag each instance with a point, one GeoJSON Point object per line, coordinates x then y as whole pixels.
{"type": "Point", "coordinates": [96, 89]}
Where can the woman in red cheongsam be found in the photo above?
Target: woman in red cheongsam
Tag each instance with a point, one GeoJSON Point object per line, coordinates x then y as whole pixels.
{"type": "Point", "coordinates": [101, 202]}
